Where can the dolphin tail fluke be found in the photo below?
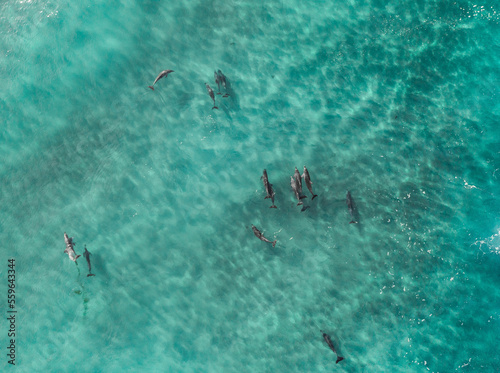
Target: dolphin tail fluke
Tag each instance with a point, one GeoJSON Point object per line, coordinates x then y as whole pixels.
{"type": "Point", "coordinates": [273, 207]}
{"type": "Point", "coordinates": [304, 208]}
{"type": "Point", "coordinates": [314, 196]}
{"type": "Point", "coordinates": [150, 86]}
{"type": "Point", "coordinates": [77, 257]}
{"type": "Point", "coordinates": [300, 203]}
{"type": "Point", "coordinates": [267, 197]}
{"type": "Point", "coordinates": [339, 358]}
{"type": "Point", "coordinates": [215, 107]}
{"type": "Point", "coordinates": [302, 197]}
{"type": "Point", "coordinates": [90, 274]}
{"type": "Point", "coordinates": [274, 243]}
{"type": "Point", "coordinates": [353, 222]}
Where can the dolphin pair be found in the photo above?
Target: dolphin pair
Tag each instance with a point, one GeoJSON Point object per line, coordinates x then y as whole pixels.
{"type": "Point", "coordinates": [296, 184]}
{"type": "Point", "coordinates": [72, 255]}
{"type": "Point", "coordinates": [220, 78]}
{"type": "Point", "coordinates": [163, 74]}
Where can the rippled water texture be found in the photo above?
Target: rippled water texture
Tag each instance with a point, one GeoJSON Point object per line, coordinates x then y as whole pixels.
{"type": "Point", "coordinates": [397, 102]}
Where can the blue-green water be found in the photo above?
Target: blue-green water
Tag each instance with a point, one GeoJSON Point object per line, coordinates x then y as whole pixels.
{"type": "Point", "coordinates": [396, 101]}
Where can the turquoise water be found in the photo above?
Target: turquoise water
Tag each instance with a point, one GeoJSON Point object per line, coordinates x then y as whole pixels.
{"type": "Point", "coordinates": [396, 101]}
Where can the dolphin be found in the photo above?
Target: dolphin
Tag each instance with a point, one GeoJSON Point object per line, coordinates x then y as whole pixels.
{"type": "Point", "coordinates": [330, 344]}
{"type": "Point", "coordinates": [350, 206]}
{"type": "Point", "coordinates": [269, 188]}
{"type": "Point", "coordinates": [217, 81]}
{"type": "Point", "coordinates": [296, 189]}
{"type": "Point", "coordinates": [261, 237]}
{"type": "Point", "coordinates": [69, 248]}
{"type": "Point", "coordinates": [297, 177]}
{"type": "Point", "coordinates": [211, 93]}
{"type": "Point", "coordinates": [87, 254]}
{"type": "Point", "coordinates": [307, 180]}
{"type": "Point", "coordinates": [160, 75]}
{"type": "Point", "coordinates": [222, 79]}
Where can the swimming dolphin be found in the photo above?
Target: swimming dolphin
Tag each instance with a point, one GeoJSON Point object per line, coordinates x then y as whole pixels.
{"type": "Point", "coordinates": [222, 79]}
{"type": "Point", "coordinates": [211, 93]}
{"type": "Point", "coordinates": [350, 206]}
{"type": "Point", "coordinates": [295, 187]}
{"type": "Point", "coordinates": [297, 177]}
{"type": "Point", "coordinates": [269, 188]}
{"type": "Point", "coordinates": [69, 248]}
{"type": "Point", "coordinates": [261, 236]}
{"type": "Point", "coordinates": [87, 254]}
{"type": "Point", "coordinates": [307, 180]}
{"type": "Point", "coordinates": [330, 344]}
{"type": "Point", "coordinates": [160, 75]}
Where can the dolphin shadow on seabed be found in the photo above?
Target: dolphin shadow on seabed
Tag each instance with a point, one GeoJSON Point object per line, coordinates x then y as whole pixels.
{"type": "Point", "coordinates": [226, 111]}
{"type": "Point", "coordinates": [232, 99]}
{"type": "Point", "coordinates": [80, 290]}
{"type": "Point", "coordinates": [99, 265]}
{"type": "Point", "coordinates": [353, 210]}
{"type": "Point", "coordinates": [304, 207]}
{"type": "Point", "coordinates": [228, 106]}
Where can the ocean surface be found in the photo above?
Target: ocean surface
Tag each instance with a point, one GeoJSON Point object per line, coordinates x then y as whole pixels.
{"type": "Point", "coordinates": [396, 101]}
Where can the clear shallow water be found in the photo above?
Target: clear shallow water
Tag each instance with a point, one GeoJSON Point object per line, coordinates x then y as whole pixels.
{"type": "Point", "coordinates": [397, 102]}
